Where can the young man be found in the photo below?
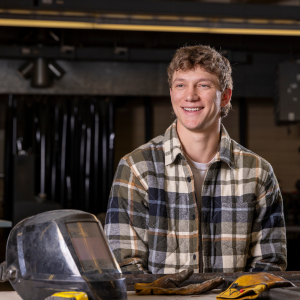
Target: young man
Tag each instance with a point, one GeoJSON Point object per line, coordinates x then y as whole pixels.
{"type": "Point", "coordinates": [194, 198]}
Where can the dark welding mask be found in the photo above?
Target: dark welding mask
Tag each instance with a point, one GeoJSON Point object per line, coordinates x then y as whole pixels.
{"type": "Point", "coordinates": [62, 250]}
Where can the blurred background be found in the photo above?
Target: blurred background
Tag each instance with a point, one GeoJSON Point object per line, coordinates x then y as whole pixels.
{"type": "Point", "coordinates": [82, 83]}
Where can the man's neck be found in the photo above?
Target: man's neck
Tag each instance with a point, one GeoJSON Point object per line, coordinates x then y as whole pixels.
{"type": "Point", "coordinates": [200, 146]}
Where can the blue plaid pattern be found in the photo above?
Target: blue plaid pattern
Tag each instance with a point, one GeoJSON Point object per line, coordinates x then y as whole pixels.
{"type": "Point", "coordinates": [152, 218]}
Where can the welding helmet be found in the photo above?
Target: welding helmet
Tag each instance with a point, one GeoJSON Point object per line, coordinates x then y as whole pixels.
{"type": "Point", "coordinates": [62, 250]}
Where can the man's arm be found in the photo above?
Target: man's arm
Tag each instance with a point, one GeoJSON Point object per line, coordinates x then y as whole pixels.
{"type": "Point", "coordinates": [267, 250]}
{"type": "Point", "coordinates": [127, 221]}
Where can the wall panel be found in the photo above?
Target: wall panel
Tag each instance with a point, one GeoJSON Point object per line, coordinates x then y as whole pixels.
{"type": "Point", "coordinates": [277, 144]}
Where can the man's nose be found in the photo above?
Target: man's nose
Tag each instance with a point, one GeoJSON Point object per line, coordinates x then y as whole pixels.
{"type": "Point", "coordinates": [191, 94]}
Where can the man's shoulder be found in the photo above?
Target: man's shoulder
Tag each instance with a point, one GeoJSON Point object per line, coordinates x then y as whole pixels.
{"type": "Point", "coordinates": [244, 158]}
{"type": "Point", "coordinates": [152, 151]}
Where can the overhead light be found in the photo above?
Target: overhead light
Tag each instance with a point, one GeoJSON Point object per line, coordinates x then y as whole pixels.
{"type": "Point", "coordinates": [41, 71]}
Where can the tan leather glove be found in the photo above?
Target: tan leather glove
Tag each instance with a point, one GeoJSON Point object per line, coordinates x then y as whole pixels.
{"type": "Point", "coordinates": [250, 286]}
{"type": "Point", "coordinates": [168, 285]}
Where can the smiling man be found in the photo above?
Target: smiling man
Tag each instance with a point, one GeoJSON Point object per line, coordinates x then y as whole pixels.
{"type": "Point", "coordinates": [193, 197]}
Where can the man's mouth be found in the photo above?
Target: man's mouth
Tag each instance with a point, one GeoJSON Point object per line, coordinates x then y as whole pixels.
{"type": "Point", "coordinates": [192, 108]}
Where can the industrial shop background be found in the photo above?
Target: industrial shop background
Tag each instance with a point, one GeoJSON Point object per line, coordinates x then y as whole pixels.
{"type": "Point", "coordinates": [81, 85]}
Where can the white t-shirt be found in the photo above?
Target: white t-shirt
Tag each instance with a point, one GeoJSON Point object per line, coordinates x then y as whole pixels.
{"type": "Point", "coordinates": [199, 172]}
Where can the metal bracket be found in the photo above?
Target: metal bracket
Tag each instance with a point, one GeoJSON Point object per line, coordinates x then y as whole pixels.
{"type": "Point", "coordinates": [3, 273]}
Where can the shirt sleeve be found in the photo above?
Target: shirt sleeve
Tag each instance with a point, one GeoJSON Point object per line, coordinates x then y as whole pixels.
{"type": "Point", "coordinates": [127, 220]}
{"type": "Point", "coordinates": [267, 250]}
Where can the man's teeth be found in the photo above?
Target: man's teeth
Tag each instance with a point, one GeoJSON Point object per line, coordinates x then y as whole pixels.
{"type": "Point", "coordinates": [192, 109]}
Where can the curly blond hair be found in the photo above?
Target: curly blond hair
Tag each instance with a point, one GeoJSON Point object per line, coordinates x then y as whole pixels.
{"type": "Point", "coordinates": [189, 57]}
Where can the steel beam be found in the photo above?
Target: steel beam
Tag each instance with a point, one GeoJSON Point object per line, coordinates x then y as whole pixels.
{"type": "Point", "coordinates": [189, 8]}
{"type": "Point", "coordinates": [87, 53]}
{"type": "Point", "coordinates": [132, 15]}
{"type": "Point", "coordinates": [256, 79]}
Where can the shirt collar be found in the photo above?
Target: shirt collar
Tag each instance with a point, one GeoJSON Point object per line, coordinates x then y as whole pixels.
{"type": "Point", "coordinates": [226, 154]}
{"type": "Point", "coordinates": [172, 146]}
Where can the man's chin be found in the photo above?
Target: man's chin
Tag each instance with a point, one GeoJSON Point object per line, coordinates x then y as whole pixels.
{"type": "Point", "coordinates": [193, 127]}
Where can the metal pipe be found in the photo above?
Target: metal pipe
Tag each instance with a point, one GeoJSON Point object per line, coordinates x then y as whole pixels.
{"type": "Point", "coordinates": [243, 121]}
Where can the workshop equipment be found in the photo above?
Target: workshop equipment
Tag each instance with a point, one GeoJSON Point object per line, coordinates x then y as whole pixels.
{"type": "Point", "coordinates": [58, 251]}
{"type": "Point", "coordinates": [59, 153]}
{"type": "Point", "coordinates": [169, 285]}
{"type": "Point", "coordinates": [251, 286]}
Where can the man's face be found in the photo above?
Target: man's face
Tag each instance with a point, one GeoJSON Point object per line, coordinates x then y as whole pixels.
{"type": "Point", "coordinates": [197, 100]}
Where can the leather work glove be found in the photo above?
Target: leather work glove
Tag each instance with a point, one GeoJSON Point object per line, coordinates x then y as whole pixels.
{"type": "Point", "coordinates": [168, 285]}
{"type": "Point", "coordinates": [250, 286]}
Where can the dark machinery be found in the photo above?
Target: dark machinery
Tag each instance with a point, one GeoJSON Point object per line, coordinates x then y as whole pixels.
{"type": "Point", "coordinates": [62, 250]}
{"type": "Point", "coordinates": [59, 154]}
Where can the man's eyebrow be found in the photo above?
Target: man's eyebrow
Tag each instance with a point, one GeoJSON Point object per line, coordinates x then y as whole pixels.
{"type": "Point", "coordinates": [201, 79]}
{"type": "Point", "coordinates": [179, 79]}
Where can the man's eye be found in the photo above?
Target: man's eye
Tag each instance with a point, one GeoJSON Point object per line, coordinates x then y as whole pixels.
{"type": "Point", "coordinates": [203, 86]}
{"type": "Point", "coordinates": [179, 85]}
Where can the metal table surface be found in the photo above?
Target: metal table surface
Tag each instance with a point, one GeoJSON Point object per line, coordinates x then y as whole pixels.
{"type": "Point", "coordinates": [131, 280]}
{"type": "Point", "coordinates": [4, 223]}
{"type": "Point", "coordinates": [132, 296]}
{"type": "Point", "coordinates": [293, 276]}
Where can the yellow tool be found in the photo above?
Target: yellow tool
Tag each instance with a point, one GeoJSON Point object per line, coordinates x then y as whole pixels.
{"type": "Point", "coordinates": [68, 295]}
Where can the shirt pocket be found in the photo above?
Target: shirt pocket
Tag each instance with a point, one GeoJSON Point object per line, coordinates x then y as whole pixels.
{"type": "Point", "coordinates": [238, 209]}
{"type": "Point", "coordinates": [236, 224]}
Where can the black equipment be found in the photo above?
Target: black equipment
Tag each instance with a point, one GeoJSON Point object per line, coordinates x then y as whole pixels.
{"type": "Point", "coordinates": [59, 154]}
{"type": "Point", "coordinates": [62, 250]}
{"type": "Point", "coordinates": [288, 102]}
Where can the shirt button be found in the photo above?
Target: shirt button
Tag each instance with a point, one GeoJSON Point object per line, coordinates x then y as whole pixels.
{"type": "Point", "coordinates": [194, 256]}
{"type": "Point", "coordinates": [189, 179]}
{"type": "Point", "coordinates": [193, 217]}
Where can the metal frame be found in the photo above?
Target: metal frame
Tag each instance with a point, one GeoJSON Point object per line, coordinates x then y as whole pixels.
{"type": "Point", "coordinates": [162, 7]}
{"type": "Point", "coordinates": [165, 16]}
{"type": "Point", "coordinates": [87, 53]}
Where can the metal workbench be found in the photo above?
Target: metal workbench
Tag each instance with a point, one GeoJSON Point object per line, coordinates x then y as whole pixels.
{"type": "Point", "coordinates": [293, 276]}
{"type": "Point", "coordinates": [4, 223]}
{"type": "Point", "coordinates": [132, 296]}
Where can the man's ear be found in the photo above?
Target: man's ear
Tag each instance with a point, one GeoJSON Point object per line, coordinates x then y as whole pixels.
{"type": "Point", "coordinates": [226, 96]}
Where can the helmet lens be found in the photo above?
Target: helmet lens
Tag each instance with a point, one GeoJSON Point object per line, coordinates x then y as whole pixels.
{"type": "Point", "coordinates": [90, 246]}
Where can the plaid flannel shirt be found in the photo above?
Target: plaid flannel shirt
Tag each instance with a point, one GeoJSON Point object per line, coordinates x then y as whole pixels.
{"type": "Point", "coordinates": [152, 216]}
